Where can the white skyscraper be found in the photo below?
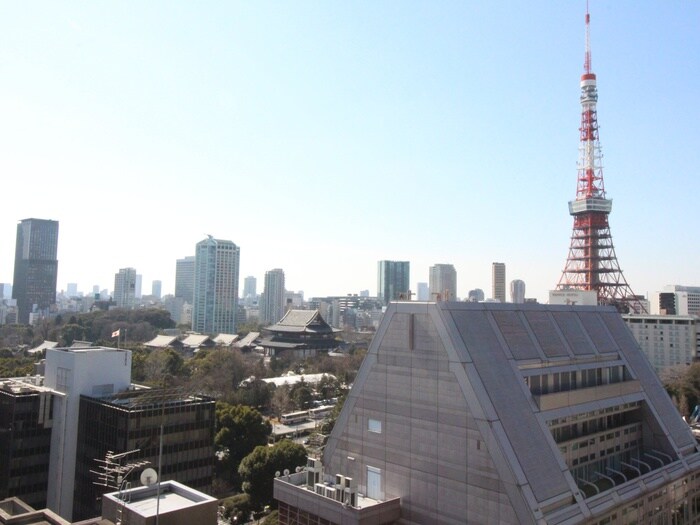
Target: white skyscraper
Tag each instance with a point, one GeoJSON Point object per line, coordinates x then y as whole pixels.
{"type": "Point", "coordinates": [517, 291]}
{"type": "Point", "coordinates": [272, 301]}
{"type": "Point", "coordinates": [215, 286]}
{"type": "Point", "coordinates": [443, 282]}
{"type": "Point", "coordinates": [498, 282]}
{"type": "Point", "coordinates": [184, 279]}
{"type": "Point", "coordinates": [125, 288]}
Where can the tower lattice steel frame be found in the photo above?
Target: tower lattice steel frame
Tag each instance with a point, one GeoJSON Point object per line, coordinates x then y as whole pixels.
{"type": "Point", "coordinates": [592, 264]}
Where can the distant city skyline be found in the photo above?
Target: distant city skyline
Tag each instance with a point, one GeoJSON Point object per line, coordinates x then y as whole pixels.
{"type": "Point", "coordinates": [395, 112]}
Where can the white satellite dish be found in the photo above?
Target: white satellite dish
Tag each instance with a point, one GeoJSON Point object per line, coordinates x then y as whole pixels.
{"type": "Point", "coordinates": [148, 477]}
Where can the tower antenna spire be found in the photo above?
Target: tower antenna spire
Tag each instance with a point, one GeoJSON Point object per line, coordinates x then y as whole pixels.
{"type": "Point", "coordinates": [592, 264]}
{"type": "Point", "coordinates": [587, 60]}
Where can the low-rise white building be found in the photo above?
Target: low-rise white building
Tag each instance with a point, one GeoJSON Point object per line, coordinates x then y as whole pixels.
{"type": "Point", "coordinates": [666, 340]}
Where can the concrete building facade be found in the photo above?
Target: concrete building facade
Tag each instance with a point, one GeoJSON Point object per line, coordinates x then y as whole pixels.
{"type": "Point", "coordinates": [501, 413]}
{"type": "Point", "coordinates": [666, 340]}
{"type": "Point", "coordinates": [675, 299]}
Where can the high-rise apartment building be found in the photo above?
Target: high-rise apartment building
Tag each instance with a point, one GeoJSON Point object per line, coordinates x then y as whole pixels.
{"type": "Point", "coordinates": [393, 278]}
{"type": "Point", "coordinates": [498, 281]}
{"type": "Point", "coordinates": [125, 288]}
{"type": "Point", "coordinates": [139, 282]}
{"type": "Point", "coordinates": [184, 278]}
{"type": "Point", "coordinates": [517, 291]}
{"type": "Point", "coordinates": [215, 303]}
{"type": "Point", "coordinates": [443, 282]}
{"type": "Point", "coordinates": [476, 295]}
{"type": "Point", "coordinates": [36, 267]}
{"type": "Point", "coordinates": [423, 292]}
{"type": "Point", "coordinates": [250, 285]}
{"type": "Point", "coordinates": [156, 289]}
{"type": "Point", "coordinates": [272, 301]}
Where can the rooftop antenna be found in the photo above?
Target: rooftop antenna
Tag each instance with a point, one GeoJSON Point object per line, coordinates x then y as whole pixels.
{"type": "Point", "coordinates": [113, 474]}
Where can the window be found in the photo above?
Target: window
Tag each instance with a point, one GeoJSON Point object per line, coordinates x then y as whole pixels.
{"type": "Point", "coordinates": [374, 425]}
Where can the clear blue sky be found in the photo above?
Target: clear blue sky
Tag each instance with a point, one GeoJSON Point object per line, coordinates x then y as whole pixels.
{"type": "Point", "coordinates": [322, 137]}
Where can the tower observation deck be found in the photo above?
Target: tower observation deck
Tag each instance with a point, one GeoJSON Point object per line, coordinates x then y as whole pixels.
{"type": "Point", "coordinates": [592, 264]}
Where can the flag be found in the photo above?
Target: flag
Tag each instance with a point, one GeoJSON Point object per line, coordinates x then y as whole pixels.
{"type": "Point", "coordinates": [116, 333]}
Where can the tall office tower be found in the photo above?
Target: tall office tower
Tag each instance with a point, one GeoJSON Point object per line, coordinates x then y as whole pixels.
{"type": "Point", "coordinates": [393, 279]}
{"type": "Point", "coordinates": [72, 290]}
{"type": "Point", "coordinates": [498, 281]}
{"type": "Point", "coordinates": [184, 279]}
{"type": "Point", "coordinates": [443, 282]}
{"type": "Point", "coordinates": [592, 264]}
{"type": "Point", "coordinates": [139, 282]}
{"type": "Point", "coordinates": [250, 286]}
{"type": "Point", "coordinates": [156, 289]}
{"type": "Point", "coordinates": [125, 288]}
{"type": "Point", "coordinates": [517, 291]}
{"type": "Point", "coordinates": [36, 267]}
{"type": "Point", "coordinates": [423, 292]}
{"type": "Point", "coordinates": [215, 286]}
{"type": "Point", "coordinates": [476, 295]}
{"type": "Point", "coordinates": [272, 301]}
{"type": "Point", "coordinates": [5, 291]}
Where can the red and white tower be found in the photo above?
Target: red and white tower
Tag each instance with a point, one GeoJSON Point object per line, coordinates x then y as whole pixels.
{"type": "Point", "coordinates": [592, 263]}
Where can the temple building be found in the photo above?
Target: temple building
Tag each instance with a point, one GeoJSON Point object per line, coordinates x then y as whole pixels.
{"type": "Point", "coordinates": [303, 332]}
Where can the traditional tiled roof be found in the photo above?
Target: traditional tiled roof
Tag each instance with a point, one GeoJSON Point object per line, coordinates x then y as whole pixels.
{"type": "Point", "coordinates": [225, 339]}
{"type": "Point", "coordinates": [161, 341]}
{"type": "Point", "coordinates": [197, 340]}
{"type": "Point", "coordinates": [248, 340]}
{"type": "Point", "coordinates": [43, 346]}
{"type": "Point", "coordinates": [298, 321]}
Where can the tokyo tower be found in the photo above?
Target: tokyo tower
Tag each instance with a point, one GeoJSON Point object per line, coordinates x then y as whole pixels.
{"type": "Point", "coordinates": [592, 264]}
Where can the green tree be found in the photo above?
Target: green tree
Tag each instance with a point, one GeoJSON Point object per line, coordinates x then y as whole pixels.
{"type": "Point", "coordinates": [239, 429]}
{"type": "Point", "coordinates": [163, 366]}
{"type": "Point", "coordinates": [218, 373]}
{"type": "Point", "coordinates": [70, 333]}
{"type": "Point", "coordinates": [257, 470]}
{"type": "Point", "coordinates": [301, 395]}
{"type": "Point", "coordinates": [237, 508]}
{"type": "Point", "coordinates": [281, 402]}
